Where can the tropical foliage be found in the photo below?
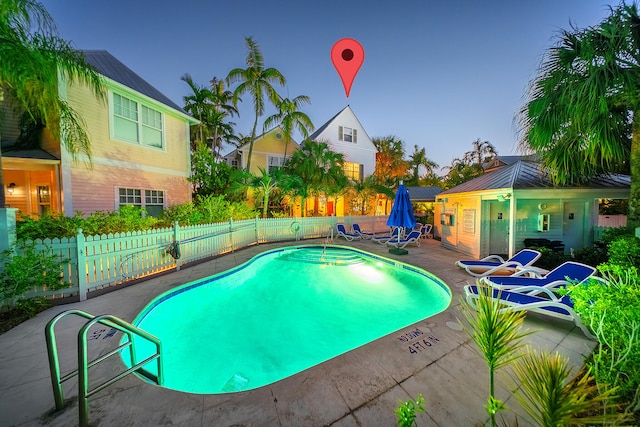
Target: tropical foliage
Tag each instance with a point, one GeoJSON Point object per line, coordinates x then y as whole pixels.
{"type": "Point", "coordinates": [496, 332]}
{"type": "Point", "coordinates": [418, 160]}
{"type": "Point", "coordinates": [289, 117]}
{"type": "Point", "coordinates": [255, 80]}
{"type": "Point", "coordinates": [390, 164]}
{"type": "Point", "coordinates": [34, 57]}
{"type": "Point", "coordinates": [581, 110]}
{"type": "Point", "coordinates": [319, 169]}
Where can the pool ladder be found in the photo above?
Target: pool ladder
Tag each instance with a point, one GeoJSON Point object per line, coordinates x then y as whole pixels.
{"type": "Point", "coordinates": [83, 365]}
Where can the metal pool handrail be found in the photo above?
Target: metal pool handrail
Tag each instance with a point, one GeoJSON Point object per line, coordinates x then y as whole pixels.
{"type": "Point", "coordinates": [83, 364]}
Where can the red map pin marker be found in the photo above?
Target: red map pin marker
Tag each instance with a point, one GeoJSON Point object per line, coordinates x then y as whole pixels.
{"type": "Point", "coordinates": [347, 56]}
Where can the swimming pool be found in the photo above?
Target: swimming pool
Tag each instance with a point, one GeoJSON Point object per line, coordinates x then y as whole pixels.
{"type": "Point", "coordinates": [283, 311]}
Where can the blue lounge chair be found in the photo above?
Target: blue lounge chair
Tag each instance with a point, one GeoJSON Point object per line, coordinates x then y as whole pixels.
{"type": "Point", "coordinates": [411, 238]}
{"type": "Point", "coordinates": [382, 239]}
{"type": "Point", "coordinates": [342, 232]}
{"type": "Point", "coordinates": [495, 264]}
{"type": "Point", "coordinates": [530, 298]}
{"type": "Point", "coordinates": [425, 231]}
{"type": "Point", "coordinates": [562, 275]}
{"type": "Point", "coordinates": [362, 233]}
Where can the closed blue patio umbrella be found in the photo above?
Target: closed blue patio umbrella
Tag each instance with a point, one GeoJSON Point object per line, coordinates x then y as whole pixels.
{"type": "Point", "coordinates": [401, 212]}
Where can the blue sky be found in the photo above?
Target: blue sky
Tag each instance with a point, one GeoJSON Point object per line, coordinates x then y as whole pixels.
{"type": "Point", "coordinates": [436, 74]}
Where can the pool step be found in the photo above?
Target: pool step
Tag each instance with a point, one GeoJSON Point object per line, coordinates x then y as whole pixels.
{"type": "Point", "coordinates": [324, 256]}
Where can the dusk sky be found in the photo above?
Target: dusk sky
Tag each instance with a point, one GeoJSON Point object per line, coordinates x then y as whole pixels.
{"type": "Point", "coordinates": [436, 74]}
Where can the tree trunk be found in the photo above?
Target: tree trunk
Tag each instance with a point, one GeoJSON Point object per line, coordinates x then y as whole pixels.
{"type": "Point", "coordinates": [253, 138]}
{"type": "Point", "coordinates": [634, 196]}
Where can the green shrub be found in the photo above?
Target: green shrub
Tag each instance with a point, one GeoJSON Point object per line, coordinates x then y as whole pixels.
{"type": "Point", "coordinates": [611, 234]}
{"type": "Point", "coordinates": [205, 210]}
{"type": "Point", "coordinates": [185, 214]}
{"type": "Point", "coordinates": [625, 252]}
{"type": "Point", "coordinates": [612, 311]}
{"type": "Point", "coordinates": [594, 256]}
{"type": "Point", "coordinates": [50, 225]}
{"type": "Point", "coordinates": [28, 269]}
{"type": "Point", "coordinates": [550, 259]}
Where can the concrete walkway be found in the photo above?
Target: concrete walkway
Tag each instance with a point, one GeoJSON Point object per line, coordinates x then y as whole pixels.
{"type": "Point", "coordinates": [359, 388]}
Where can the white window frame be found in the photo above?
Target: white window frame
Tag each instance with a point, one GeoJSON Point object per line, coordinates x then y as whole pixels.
{"type": "Point", "coordinates": [146, 119]}
{"type": "Point", "coordinates": [274, 162]}
{"type": "Point", "coordinates": [347, 134]}
{"type": "Point", "coordinates": [142, 194]}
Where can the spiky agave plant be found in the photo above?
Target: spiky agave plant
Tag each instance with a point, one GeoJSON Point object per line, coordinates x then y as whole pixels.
{"type": "Point", "coordinates": [550, 395]}
{"type": "Point", "coordinates": [496, 330]}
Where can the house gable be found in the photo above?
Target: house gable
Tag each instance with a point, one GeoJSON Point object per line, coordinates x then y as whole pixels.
{"type": "Point", "coordinates": [345, 134]}
{"type": "Point", "coordinates": [268, 151]}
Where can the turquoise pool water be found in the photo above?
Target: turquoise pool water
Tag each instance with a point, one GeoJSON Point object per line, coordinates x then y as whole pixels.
{"type": "Point", "coordinates": [282, 312]}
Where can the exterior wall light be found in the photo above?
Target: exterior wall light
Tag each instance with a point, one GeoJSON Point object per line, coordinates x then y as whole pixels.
{"type": "Point", "coordinates": [11, 188]}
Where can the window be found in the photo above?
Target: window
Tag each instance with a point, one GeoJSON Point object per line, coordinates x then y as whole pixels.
{"type": "Point", "coordinates": [469, 221]}
{"type": "Point", "coordinates": [136, 123]}
{"type": "Point", "coordinates": [353, 171]}
{"type": "Point", "coordinates": [275, 163]}
{"type": "Point", "coordinates": [153, 200]}
{"type": "Point", "coordinates": [347, 134]}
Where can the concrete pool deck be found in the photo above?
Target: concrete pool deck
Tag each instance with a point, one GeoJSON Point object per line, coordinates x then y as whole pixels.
{"type": "Point", "coordinates": [359, 388]}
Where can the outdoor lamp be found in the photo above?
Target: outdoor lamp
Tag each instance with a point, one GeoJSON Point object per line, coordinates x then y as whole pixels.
{"type": "Point", "coordinates": [11, 187]}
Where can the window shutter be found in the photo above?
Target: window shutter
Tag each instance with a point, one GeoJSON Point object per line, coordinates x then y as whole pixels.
{"type": "Point", "coordinates": [361, 172]}
{"type": "Point", "coordinates": [355, 136]}
{"type": "Point", "coordinates": [340, 133]}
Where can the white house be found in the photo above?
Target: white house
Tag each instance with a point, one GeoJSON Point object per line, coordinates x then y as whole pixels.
{"type": "Point", "coordinates": [345, 134]}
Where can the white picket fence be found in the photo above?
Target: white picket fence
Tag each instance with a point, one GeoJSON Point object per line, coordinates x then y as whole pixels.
{"type": "Point", "coordinates": [102, 261]}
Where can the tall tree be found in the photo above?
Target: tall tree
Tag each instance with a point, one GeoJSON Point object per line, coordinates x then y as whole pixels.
{"type": "Point", "coordinates": [289, 117]}
{"type": "Point", "coordinates": [482, 152]}
{"type": "Point", "coordinates": [223, 105]}
{"type": "Point", "coordinates": [319, 168]}
{"type": "Point", "coordinates": [581, 113]}
{"type": "Point", "coordinates": [417, 159]}
{"type": "Point", "coordinates": [256, 80]}
{"type": "Point", "coordinates": [200, 105]}
{"type": "Point", "coordinates": [390, 163]}
{"type": "Point", "coordinates": [33, 59]}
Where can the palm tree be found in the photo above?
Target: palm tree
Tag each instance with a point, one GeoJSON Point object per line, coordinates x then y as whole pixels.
{"type": "Point", "coordinates": [368, 188]}
{"type": "Point", "coordinates": [319, 168]}
{"type": "Point", "coordinates": [289, 118]}
{"type": "Point", "coordinates": [200, 105]}
{"type": "Point", "coordinates": [581, 113]}
{"type": "Point", "coordinates": [417, 159]}
{"type": "Point", "coordinates": [265, 183]}
{"type": "Point", "coordinates": [33, 59]}
{"type": "Point", "coordinates": [222, 99]}
{"type": "Point", "coordinates": [482, 152]}
{"type": "Point", "coordinates": [390, 165]}
{"type": "Point", "coordinates": [256, 80]}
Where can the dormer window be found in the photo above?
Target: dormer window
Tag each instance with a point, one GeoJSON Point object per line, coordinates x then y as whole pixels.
{"type": "Point", "coordinates": [347, 134]}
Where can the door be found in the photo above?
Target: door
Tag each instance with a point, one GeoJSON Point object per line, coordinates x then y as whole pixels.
{"type": "Point", "coordinates": [499, 228]}
{"type": "Point", "coordinates": [573, 225]}
{"type": "Point", "coordinates": [330, 208]}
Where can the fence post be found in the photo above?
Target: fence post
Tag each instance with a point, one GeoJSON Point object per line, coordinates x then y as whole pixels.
{"type": "Point", "coordinates": [81, 267]}
{"type": "Point", "coordinates": [231, 233]}
{"type": "Point", "coordinates": [257, 223]}
{"type": "Point", "coordinates": [8, 236]}
{"type": "Point", "coordinates": [176, 240]}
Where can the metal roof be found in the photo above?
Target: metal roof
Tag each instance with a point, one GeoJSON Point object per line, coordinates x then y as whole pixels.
{"type": "Point", "coordinates": [529, 175]}
{"type": "Point", "coordinates": [423, 194]}
{"type": "Point", "coordinates": [107, 65]}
